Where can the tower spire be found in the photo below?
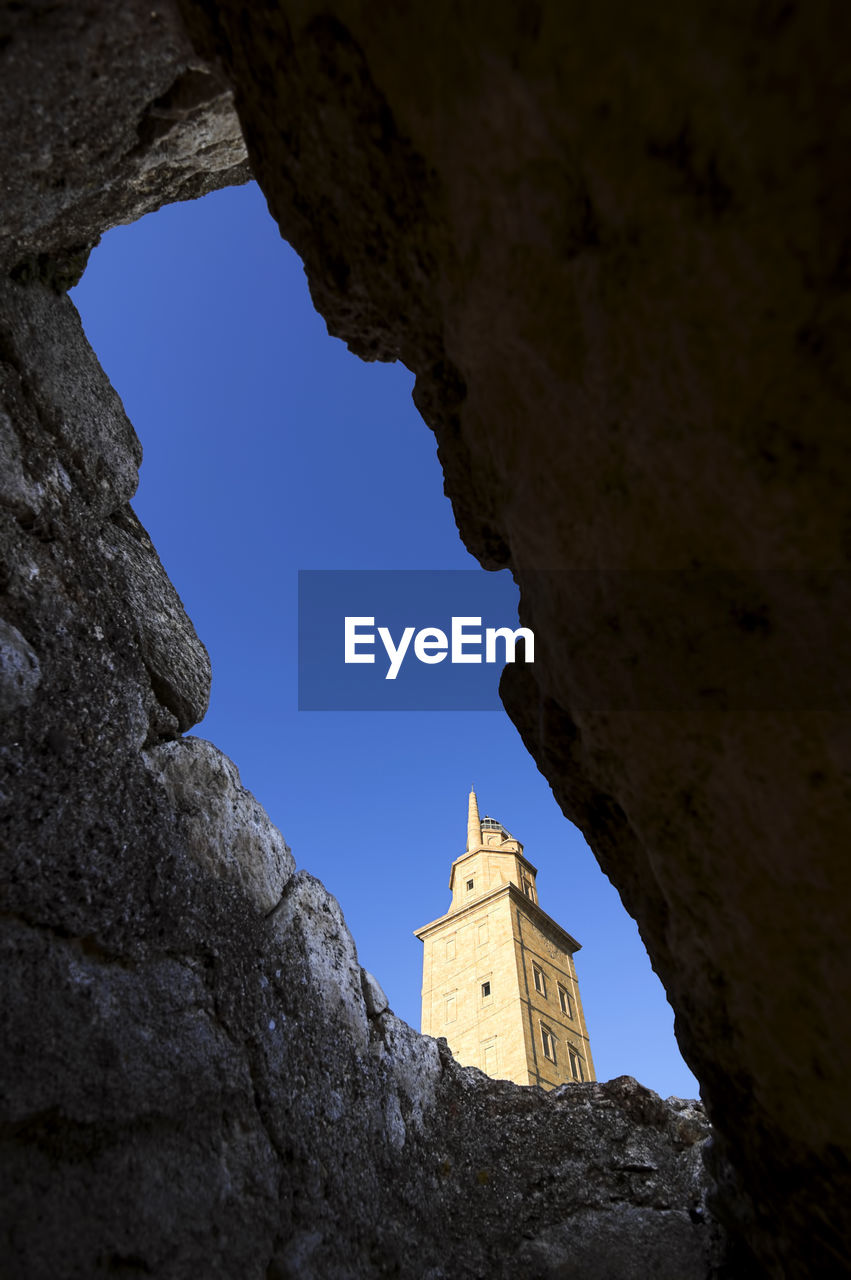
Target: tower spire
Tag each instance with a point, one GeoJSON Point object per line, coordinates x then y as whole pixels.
{"type": "Point", "coordinates": [474, 826]}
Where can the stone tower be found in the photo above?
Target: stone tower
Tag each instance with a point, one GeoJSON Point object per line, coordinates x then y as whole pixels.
{"type": "Point", "coordinates": [498, 975]}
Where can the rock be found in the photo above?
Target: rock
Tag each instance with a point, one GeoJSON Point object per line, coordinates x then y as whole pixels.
{"type": "Point", "coordinates": [19, 670]}
{"type": "Point", "coordinates": [224, 828]}
{"type": "Point", "coordinates": [67, 436]}
{"type": "Point", "coordinates": [127, 1103]}
{"type": "Point", "coordinates": [414, 1065]}
{"type": "Point", "coordinates": [175, 659]}
{"type": "Point", "coordinates": [320, 948]}
{"type": "Point", "coordinates": [68, 535]}
{"type": "Point", "coordinates": [618, 1215]}
{"type": "Point", "coordinates": [376, 1001]}
{"type": "Point", "coordinates": [108, 114]}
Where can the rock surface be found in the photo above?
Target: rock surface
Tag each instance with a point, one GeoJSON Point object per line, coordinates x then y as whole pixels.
{"type": "Point", "coordinates": [107, 114]}
{"type": "Point", "coordinates": [19, 670]}
{"type": "Point", "coordinates": [225, 830]}
{"type": "Point", "coordinates": [612, 243]}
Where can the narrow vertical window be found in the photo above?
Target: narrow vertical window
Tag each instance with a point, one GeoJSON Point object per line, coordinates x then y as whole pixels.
{"type": "Point", "coordinates": [565, 999]}
{"type": "Point", "coordinates": [486, 990]}
{"type": "Point", "coordinates": [540, 981]}
{"type": "Point", "coordinates": [548, 1043]}
{"type": "Point", "coordinates": [576, 1066]}
{"type": "Point", "coordinates": [470, 884]}
{"type": "Point", "coordinates": [449, 1008]}
{"type": "Point", "coordinates": [450, 948]}
{"type": "Point", "coordinates": [483, 933]}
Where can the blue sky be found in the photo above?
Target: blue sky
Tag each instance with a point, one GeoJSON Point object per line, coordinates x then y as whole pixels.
{"type": "Point", "coordinates": [269, 448]}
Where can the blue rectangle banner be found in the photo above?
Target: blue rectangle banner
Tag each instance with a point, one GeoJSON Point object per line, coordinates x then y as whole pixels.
{"type": "Point", "coordinates": [406, 640]}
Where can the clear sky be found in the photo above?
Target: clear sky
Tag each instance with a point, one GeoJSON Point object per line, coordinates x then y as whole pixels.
{"type": "Point", "coordinates": [269, 448]}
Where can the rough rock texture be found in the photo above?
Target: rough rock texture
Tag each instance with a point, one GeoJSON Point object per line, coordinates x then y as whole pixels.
{"type": "Point", "coordinates": [225, 829]}
{"type": "Point", "coordinates": [612, 242]}
{"type": "Point", "coordinates": [107, 114]}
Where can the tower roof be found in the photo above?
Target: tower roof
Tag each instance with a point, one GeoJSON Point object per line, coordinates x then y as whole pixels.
{"type": "Point", "coordinates": [493, 824]}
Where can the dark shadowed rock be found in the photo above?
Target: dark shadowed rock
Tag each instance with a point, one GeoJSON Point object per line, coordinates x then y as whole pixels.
{"type": "Point", "coordinates": [19, 670]}
{"type": "Point", "coordinates": [107, 114]}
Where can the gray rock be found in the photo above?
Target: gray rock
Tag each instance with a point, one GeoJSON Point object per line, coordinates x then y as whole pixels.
{"type": "Point", "coordinates": [68, 536]}
{"type": "Point", "coordinates": [127, 1102]}
{"type": "Point", "coordinates": [19, 670]}
{"type": "Point", "coordinates": [175, 659]}
{"type": "Point", "coordinates": [224, 828]}
{"type": "Point", "coordinates": [373, 994]}
{"type": "Point", "coordinates": [414, 1065]}
{"type": "Point", "coordinates": [108, 114]}
{"type": "Point", "coordinates": [78, 442]}
{"type": "Point", "coordinates": [318, 944]}
{"type": "Point", "coordinates": [624, 1243]}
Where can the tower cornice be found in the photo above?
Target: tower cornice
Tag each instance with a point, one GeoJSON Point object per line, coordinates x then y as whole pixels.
{"type": "Point", "coordinates": [536, 913]}
{"type": "Point", "coordinates": [492, 848]}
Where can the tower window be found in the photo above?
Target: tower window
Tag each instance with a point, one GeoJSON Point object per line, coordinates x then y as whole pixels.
{"type": "Point", "coordinates": [470, 884]}
{"type": "Point", "coordinates": [489, 1057]}
{"type": "Point", "coordinates": [486, 990]}
{"type": "Point", "coordinates": [450, 948]}
{"type": "Point", "coordinates": [548, 1043]}
{"type": "Point", "coordinates": [565, 999]}
{"type": "Point", "coordinates": [449, 1008]}
{"type": "Point", "coordinates": [576, 1065]}
{"type": "Point", "coordinates": [540, 981]}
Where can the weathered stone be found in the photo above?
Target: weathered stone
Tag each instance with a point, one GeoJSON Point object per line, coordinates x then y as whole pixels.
{"type": "Point", "coordinates": [226, 831]}
{"type": "Point", "coordinates": [19, 670]}
{"type": "Point", "coordinates": [373, 994]}
{"type": "Point", "coordinates": [107, 114]}
{"type": "Point", "coordinates": [129, 1136]}
{"type": "Point", "coordinates": [318, 943]}
{"type": "Point", "coordinates": [74, 441]}
{"type": "Point", "coordinates": [176, 661]}
{"type": "Point", "coordinates": [67, 535]}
